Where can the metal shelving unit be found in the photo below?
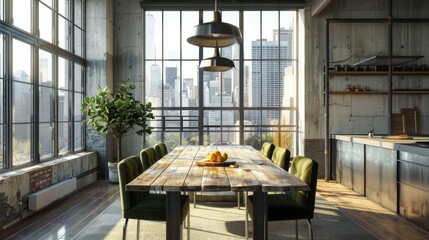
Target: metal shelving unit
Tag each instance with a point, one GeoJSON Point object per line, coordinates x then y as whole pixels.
{"type": "Point", "coordinates": [390, 61]}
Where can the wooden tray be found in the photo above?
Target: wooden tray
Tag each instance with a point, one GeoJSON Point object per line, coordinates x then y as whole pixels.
{"type": "Point", "coordinates": [397, 137]}
{"type": "Point", "coordinates": [226, 163]}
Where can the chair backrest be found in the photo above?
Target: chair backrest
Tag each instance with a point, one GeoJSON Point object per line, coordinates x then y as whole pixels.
{"type": "Point", "coordinates": [128, 169]}
{"type": "Point", "coordinates": [267, 149]}
{"type": "Point", "coordinates": [148, 157]}
{"type": "Point", "coordinates": [161, 150]}
{"type": "Point", "coordinates": [281, 157]}
{"type": "Point", "coordinates": [305, 169]}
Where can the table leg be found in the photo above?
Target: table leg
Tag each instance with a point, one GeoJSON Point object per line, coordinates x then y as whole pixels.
{"type": "Point", "coordinates": [260, 226]}
{"type": "Point", "coordinates": [173, 216]}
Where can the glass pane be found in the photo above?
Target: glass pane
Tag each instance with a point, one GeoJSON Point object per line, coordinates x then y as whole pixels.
{"type": "Point", "coordinates": [45, 68]}
{"type": "Point", "coordinates": [63, 137]}
{"type": "Point", "coordinates": [289, 86]}
{"type": "Point", "coordinates": [190, 84]}
{"type": "Point", "coordinates": [21, 145]}
{"type": "Point", "coordinates": [190, 138]}
{"type": "Point", "coordinates": [247, 84]}
{"type": "Point", "coordinates": [271, 87]}
{"type": "Point", "coordinates": [172, 84]}
{"type": "Point", "coordinates": [288, 117]}
{"type": "Point", "coordinates": [153, 33]}
{"type": "Point", "coordinates": [77, 102]}
{"type": "Point", "coordinates": [1, 146]}
{"type": "Point", "coordinates": [212, 88]}
{"type": "Point", "coordinates": [21, 61]}
{"type": "Point", "coordinates": [22, 96]}
{"type": "Point", "coordinates": [46, 139]}
{"type": "Point", "coordinates": [270, 117]}
{"type": "Point", "coordinates": [63, 33]}
{"type": "Point", "coordinates": [64, 8]}
{"type": "Point", "coordinates": [22, 14]}
{"type": "Point", "coordinates": [78, 77]}
{"type": "Point", "coordinates": [2, 18]}
{"type": "Point", "coordinates": [45, 23]}
{"type": "Point", "coordinates": [47, 2]}
{"type": "Point", "coordinates": [212, 118]}
{"type": "Point", "coordinates": [46, 104]}
{"type": "Point", "coordinates": [270, 19]}
{"type": "Point", "coordinates": [78, 136]}
{"type": "Point", "coordinates": [287, 34]}
{"type": "Point", "coordinates": [78, 41]}
{"type": "Point", "coordinates": [78, 10]}
{"type": "Point", "coordinates": [172, 139]}
{"type": "Point", "coordinates": [189, 20]}
{"type": "Point", "coordinates": [63, 105]}
{"type": "Point", "coordinates": [1, 103]}
{"type": "Point", "coordinates": [252, 117]}
{"type": "Point", "coordinates": [63, 73]}
{"type": "Point", "coordinates": [171, 35]}
{"type": "Point", "coordinates": [153, 84]}
{"type": "Point", "coordinates": [251, 33]}
{"type": "Point", "coordinates": [2, 54]}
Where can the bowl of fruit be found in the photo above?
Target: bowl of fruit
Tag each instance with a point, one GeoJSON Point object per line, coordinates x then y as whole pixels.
{"type": "Point", "coordinates": [216, 158]}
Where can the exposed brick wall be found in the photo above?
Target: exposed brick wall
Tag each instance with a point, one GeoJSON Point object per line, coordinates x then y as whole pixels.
{"type": "Point", "coordinates": [40, 178]}
{"type": "Point", "coordinates": [314, 149]}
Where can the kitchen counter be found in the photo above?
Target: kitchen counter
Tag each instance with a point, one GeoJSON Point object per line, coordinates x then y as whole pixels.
{"type": "Point", "coordinates": [392, 173]}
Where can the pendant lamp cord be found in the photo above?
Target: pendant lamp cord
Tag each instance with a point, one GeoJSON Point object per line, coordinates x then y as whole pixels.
{"type": "Point", "coordinates": [215, 5]}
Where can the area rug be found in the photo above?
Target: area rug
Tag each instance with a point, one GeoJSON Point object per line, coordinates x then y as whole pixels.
{"type": "Point", "coordinates": [225, 221]}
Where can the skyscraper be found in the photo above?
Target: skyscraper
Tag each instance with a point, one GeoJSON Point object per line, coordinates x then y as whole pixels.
{"type": "Point", "coordinates": [267, 75]}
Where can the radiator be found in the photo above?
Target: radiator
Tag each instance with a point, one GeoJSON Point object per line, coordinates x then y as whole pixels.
{"type": "Point", "coordinates": [46, 196]}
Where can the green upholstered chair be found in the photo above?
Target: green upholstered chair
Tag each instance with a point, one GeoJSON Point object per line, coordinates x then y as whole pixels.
{"type": "Point", "coordinates": [142, 205]}
{"type": "Point", "coordinates": [150, 155]}
{"type": "Point", "coordinates": [267, 149]}
{"type": "Point", "coordinates": [281, 157]}
{"type": "Point", "coordinates": [293, 205]}
{"type": "Point", "coordinates": [161, 150]}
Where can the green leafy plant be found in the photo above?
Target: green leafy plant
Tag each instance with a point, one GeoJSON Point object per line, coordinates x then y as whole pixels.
{"type": "Point", "coordinates": [118, 113]}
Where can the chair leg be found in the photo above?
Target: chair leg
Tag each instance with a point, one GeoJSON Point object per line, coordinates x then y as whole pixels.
{"type": "Point", "coordinates": [246, 222]}
{"type": "Point", "coordinates": [238, 200]}
{"type": "Point", "coordinates": [195, 199]}
{"type": "Point", "coordinates": [138, 229]}
{"type": "Point", "coordinates": [310, 228]}
{"type": "Point", "coordinates": [124, 229]}
{"type": "Point", "coordinates": [296, 229]}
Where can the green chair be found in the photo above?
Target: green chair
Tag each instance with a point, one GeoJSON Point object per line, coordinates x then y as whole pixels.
{"type": "Point", "coordinates": [281, 157]}
{"type": "Point", "coordinates": [161, 150]}
{"type": "Point", "coordinates": [293, 205]}
{"type": "Point", "coordinates": [143, 205]}
{"type": "Point", "coordinates": [267, 149]}
{"type": "Point", "coordinates": [149, 153]}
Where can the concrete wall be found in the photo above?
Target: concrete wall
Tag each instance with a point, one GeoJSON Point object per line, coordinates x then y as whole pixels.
{"type": "Point", "coordinates": [16, 185]}
{"type": "Point", "coordinates": [99, 71]}
{"type": "Point", "coordinates": [128, 59]}
{"type": "Point", "coordinates": [350, 43]}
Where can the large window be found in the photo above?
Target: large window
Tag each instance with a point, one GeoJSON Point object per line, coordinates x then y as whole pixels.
{"type": "Point", "coordinates": [254, 103]}
{"type": "Point", "coordinates": [41, 88]}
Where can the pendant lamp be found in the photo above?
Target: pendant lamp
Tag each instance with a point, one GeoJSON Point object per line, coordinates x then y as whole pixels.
{"type": "Point", "coordinates": [216, 63]}
{"type": "Point", "coordinates": [215, 33]}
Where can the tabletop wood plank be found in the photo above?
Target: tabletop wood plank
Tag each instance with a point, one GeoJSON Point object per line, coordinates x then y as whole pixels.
{"type": "Point", "coordinates": [177, 171]}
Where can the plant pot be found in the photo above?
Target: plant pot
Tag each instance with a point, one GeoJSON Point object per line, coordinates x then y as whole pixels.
{"type": "Point", "coordinates": [113, 172]}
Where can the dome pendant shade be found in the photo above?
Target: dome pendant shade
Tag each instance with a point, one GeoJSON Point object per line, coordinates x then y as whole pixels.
{"type": "Point", "coordinates": [216, 63]}
{"type": "Point", "coordinates": [215, 33]}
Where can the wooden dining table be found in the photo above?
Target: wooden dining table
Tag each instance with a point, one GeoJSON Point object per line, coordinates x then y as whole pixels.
{"type": "Point", "coordinates": [179, 171]}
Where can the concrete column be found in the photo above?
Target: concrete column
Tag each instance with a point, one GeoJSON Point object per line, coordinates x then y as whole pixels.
{"type": "Point", "coordinates": [99, 55]}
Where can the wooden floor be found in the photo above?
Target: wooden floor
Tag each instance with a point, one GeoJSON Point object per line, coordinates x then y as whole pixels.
{"type": "Point", "coordinates": [66, 218]}
{"type": "Point", "coordinates": [380, 222]}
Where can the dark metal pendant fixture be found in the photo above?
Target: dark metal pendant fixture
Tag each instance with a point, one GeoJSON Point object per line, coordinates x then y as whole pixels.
{"type": "Point", "coordinates": [216, 63]}
{"type": "Point", "coordinates": [216, 33]}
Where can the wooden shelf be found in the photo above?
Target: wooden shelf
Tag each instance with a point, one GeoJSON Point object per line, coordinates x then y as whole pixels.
{"type": "Point", "coordinates": [360, 92]}
{"type": "Point", "coordinates": [378, 73]}
{"type": "Point", "coordinates": [382, 92]}
{"type": "Point", "coordinates": [410, 91]}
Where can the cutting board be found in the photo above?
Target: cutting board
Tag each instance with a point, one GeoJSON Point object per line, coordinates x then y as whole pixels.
{"type": "Point", "coordinates": [397, 137]}
{"type": "Point", "coordinates": [226, 163]}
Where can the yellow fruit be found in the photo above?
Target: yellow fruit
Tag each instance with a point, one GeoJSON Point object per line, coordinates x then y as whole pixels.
{"type": "Point", "coordinates": [217, 153]}
{"type": "Point", "coordinates": [212, 157]}
{"type": "Point", "coordinates": [219, 159]}
{"type": "Point", "coordinates": [225, 156]}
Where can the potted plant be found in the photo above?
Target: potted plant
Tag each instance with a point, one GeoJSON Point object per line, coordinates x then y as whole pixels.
{"type": "Point", "coordinates": [118, 114]}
